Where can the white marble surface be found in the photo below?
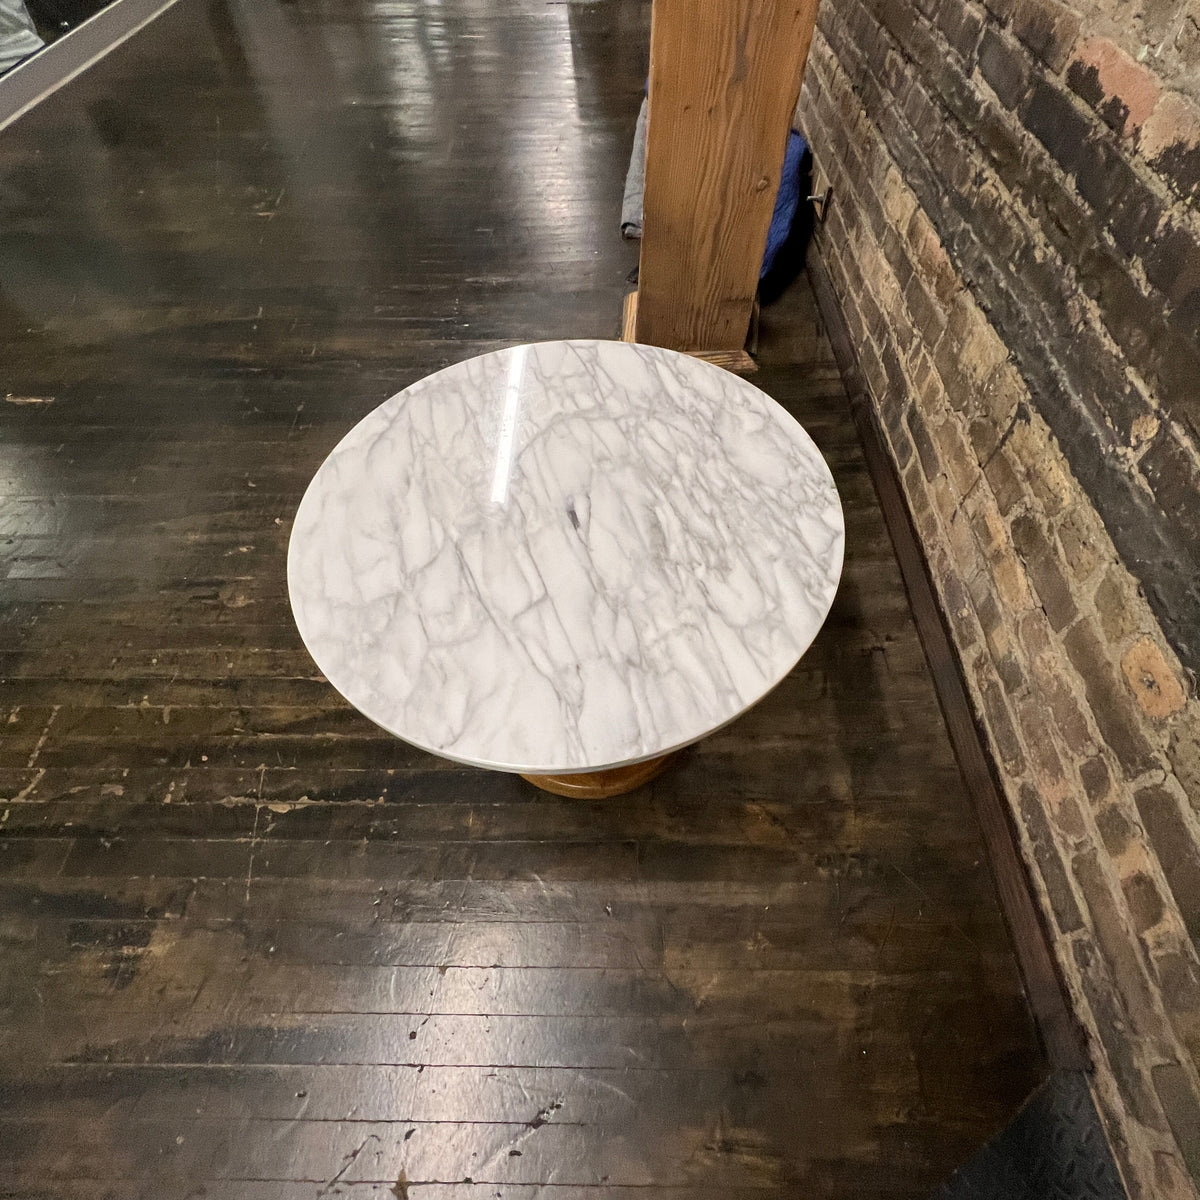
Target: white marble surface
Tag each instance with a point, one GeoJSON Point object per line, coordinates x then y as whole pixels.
{"type": "Point", "coordinates": [565, 556]}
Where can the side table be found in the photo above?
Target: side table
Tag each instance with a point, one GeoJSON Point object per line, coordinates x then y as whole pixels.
{"type": "Point", "coordinates": [567, 559]}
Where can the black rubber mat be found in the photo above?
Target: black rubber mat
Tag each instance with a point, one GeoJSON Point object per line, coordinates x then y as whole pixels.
{"type": "Point", "coordinates": [1054, 1149]}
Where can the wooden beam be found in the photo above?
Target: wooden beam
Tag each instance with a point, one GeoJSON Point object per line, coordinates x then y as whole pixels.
{"type": "Point", "coordinates": [724, 79]}
{"type": "Point", "coordinates": [738, 361]}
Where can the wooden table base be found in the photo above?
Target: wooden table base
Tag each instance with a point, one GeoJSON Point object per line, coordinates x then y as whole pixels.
{"type": "Point", "coordinates": [598, 785]}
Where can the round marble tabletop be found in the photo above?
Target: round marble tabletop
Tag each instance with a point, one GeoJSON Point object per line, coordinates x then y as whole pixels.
{"type": "Point", "coordinates": [565, 557]}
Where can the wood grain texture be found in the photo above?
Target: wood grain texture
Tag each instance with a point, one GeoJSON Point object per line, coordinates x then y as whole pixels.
{"type": "Point", "coordinates": [740, 362]}
{"type": "Point", "coordinates": [724, 78]}
{"type": "Point", "coordinates": [254, 948]}
{"type": "Point", "coordinates": [599, 785]}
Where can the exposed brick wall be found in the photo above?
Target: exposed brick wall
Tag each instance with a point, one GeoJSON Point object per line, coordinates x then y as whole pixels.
{"type": "Point", "coordinates": [1015, 242]}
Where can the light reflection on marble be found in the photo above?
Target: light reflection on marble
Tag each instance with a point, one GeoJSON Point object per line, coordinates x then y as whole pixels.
{"type": "Point", "coordinates": [565, 556]}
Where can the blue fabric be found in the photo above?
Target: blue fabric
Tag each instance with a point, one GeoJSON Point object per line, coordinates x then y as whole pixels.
{"type": "Point", "coordinates": [787, 202]}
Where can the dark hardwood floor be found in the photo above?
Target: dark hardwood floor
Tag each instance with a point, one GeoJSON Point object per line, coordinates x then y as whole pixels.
{"type": "Point", "coordinates": [250, 946]}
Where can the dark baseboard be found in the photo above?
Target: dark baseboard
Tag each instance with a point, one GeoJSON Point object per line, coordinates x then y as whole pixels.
{"type": "Point", "coordinates": [1061, 1034]}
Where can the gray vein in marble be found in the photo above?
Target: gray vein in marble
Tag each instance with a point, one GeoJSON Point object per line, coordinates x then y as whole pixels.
{"type": "Point", "coordinates": [565, 556]}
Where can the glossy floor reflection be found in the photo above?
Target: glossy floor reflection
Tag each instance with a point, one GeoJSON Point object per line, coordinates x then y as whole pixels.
{"type": "Point", "coordinates": [253, 947]}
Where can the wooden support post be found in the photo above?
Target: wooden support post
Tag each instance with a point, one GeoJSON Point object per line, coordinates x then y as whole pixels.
{"type": "Point", "coordinates": [724, 79]}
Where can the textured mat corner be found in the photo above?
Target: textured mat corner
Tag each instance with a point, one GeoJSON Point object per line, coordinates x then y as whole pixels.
{"type": "Point", "coordinates": [1054, 1149]}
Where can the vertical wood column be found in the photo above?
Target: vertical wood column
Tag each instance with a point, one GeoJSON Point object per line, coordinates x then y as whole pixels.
{"type": "Point", "coordinates": [724, 79]}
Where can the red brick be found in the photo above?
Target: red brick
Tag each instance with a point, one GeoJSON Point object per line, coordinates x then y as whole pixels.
{"type": "Point", "coordinates": [1180, 1100]}
{"type": "Point", "coordinates": [1046, 763]}
{"type": "Point", "coordinates": [957, 458]}
{"type": "Point", "coordinates": [1080, 543]}
{"type": "Point", "coordinates": [920, 368]}
{"type": "Point", "coordinates": [1116, 830]}
{"type": "Point", "coordinates": [1170, 141]}
{"type": "Point", "coordinates": [1097, 783]}
{"type": "Point", "coordinates": [1012, 583]}
{"type": "Point", "coordinates": [987, 522]}
{"type": "Point", "coordinates": [1049, 862]}
{"type": "Point", "coordinates": [1007, 486]}
{"type": "Point", "coordinates": [1151, 679]}
{"type": "Point", "coordinates": [963, 549]}
{"type": "Point", "coordinates": [1123, 1048]}
{"type": "Point", "coordinates": [1114, 600]}
{"type": "Point", "coordinates": [926, 450]}
{"type": "Point", "coordinates": [1005, 66]}
{"type": "Point", "coordinates": [1183, 750]}
{"type": "Point", "coordinates": [923, 510]}
{"type": "Point", "coordinates": [1112, 707]}
{"type": "Point", "coordinates": [1046, 664]}
{"type": "Point", "coordinates": [999, 723]}
{"type": "Point", "coordinates": [957, 607]}
{"type": "Point", "coordinates": [982, 351]}
{"type": "Point", "coordinates": [1047, 28]}
{"type": "Point", "coordinates": [1001, 395]}
{"type": "Point", "coordinates": [1146, 904]}
{"type": "Point", "coordinates": [985, 437]}
{"type": "Point", "coordinates": [1117, 941]}
{"type": "Point", "coordinates": [960, 24]}
{"type": "Point", "coordinates": [933, 395]}
{"type": "Point", "coordinates": [931, 259]}
{"type": "Point", "coordinates": [998, 636]}
{"type": "Point", "coordinates": [1174, 839]}
{"type": "Point", "coordinates": [1044, 477]}
{"type": "Point", "coordinates": [1179, 976]}
{"type": "Point", "coordinates": [1117, 86]}
{"type": "Point", "coordinates": [1044, 568]}
{"type": "Point", "coordinates": [927, 315]}
{"type": "Point", "coordinates": [897, 199]}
